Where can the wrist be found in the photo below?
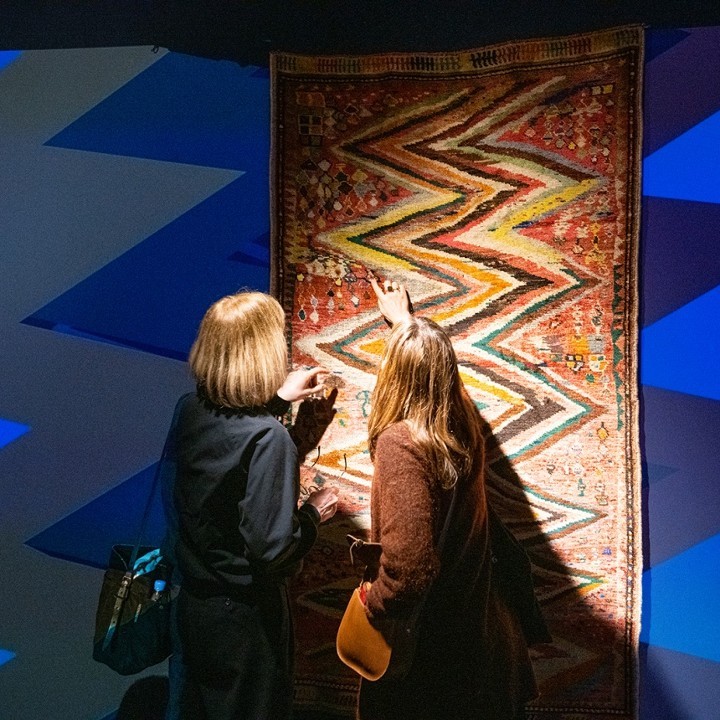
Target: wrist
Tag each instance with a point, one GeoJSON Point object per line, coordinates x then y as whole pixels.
{"type": "Point", "coordinates": [278, 405]}
{"type": "Point", "coordinates": [311, 510]}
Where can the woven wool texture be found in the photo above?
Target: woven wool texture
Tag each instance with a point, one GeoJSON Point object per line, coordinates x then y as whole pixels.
{"type": "Point", "coordinates": [501, 186]}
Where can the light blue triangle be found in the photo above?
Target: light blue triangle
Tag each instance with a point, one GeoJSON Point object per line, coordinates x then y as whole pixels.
{"type": "Point", "coordinates": [8, 56]}
{"type": "Point", "coordinates": [10, 431]}
{"type": "Point", "coordinates": [6, 656]}
{"type": "Point", "coordinates": [688, 168]}
{"type": "Point", "coordinates": [682, 350]}
{"type": "Point", "coordinates": [656, 473]}
{"type": "Point", "coordinates": [681, 608]}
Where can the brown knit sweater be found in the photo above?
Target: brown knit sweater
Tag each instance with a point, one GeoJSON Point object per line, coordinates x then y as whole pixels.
{"type": "Point", "coordinates": [471, 659]}
{"type": "Point", "coordinates": [405, 513]}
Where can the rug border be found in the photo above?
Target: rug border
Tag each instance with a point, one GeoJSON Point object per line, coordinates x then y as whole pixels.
{"type": "Point", "coordinates": [503, 54]}
{"type": "Point", "coordinates": [633, 345]}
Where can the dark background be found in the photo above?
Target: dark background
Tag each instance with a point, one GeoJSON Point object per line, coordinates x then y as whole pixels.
{"type": "Point", "coordinates": [246, 30]}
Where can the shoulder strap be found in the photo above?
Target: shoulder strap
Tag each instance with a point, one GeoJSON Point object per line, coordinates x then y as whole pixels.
{"type": "Point", "coordinates": [148, 504]}
{"type": "Point", "coordinates": [448, 518]}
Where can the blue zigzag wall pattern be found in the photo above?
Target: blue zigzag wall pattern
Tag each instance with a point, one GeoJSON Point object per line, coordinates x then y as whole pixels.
{"type": "Point", "coordinates": [149, 299]}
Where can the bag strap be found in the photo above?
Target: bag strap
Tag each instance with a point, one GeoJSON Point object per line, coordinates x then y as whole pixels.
{"type": "Point", "coordinates": [404, 632]}
{"type": "Point", "coordinates": [124, 588]}
{"type": "Point", "coordinates": [120, 598]}
{"type": "Point", "coordinates": [148, 504]}
{"type": "Point", "coordinates": [441, 543]}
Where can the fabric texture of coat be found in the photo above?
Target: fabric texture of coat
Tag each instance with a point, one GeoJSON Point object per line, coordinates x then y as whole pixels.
{"type": "Point", "coordinates": [471, 659]}
{"type": "Point", "coordinates": [238, 536]}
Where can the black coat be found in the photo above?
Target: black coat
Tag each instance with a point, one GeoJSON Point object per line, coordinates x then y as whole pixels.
{"type": "Point", "coordinates": [235, 494]}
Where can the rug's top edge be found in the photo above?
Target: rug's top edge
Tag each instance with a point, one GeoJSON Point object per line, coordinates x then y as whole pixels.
{"type": "Point", "coordinates": [459, 61]}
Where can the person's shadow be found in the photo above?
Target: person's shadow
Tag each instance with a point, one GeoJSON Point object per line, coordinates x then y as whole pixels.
{"type": "Point", "coordinates": [600, 642]}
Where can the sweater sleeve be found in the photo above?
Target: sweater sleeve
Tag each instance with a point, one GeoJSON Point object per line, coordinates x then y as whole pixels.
{"type": "Point", "coordinates": [406, 509]}
{"type": "Point", "coordinates": [276, 534]}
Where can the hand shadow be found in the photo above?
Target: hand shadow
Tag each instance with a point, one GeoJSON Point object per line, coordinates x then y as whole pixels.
{"type": "Point", "coordinates": [312, 419]}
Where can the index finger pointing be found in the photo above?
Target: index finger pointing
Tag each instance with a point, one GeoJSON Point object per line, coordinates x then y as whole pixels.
{"type": "Point", "coordinates": [378, 290]}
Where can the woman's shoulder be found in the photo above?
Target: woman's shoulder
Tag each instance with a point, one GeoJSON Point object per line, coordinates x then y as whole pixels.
{"type": "Point", "coordinates": [260, 430]}
{"type": "Point", "coordinates": [254, 421]}
{"type": "Point", "coordinates": [398, 440]}
{"type": "Point", "coordinates": [266, 428]}
{"type": "Point", "coordinates": [398, 432]}
{"type": "Point", "coordinates": [398, 456]}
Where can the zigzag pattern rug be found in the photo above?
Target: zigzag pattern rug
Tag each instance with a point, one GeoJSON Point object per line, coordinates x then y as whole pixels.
{"type": "Point", "coordinates": [501, 186]}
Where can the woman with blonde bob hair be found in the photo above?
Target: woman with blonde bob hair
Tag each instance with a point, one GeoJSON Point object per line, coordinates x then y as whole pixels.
{"type": "Point", "coordinates": [239, 358]}
{"type": "Point", "coordinates": [236, 533]}
{"type": "Point", "coordinates": [430, 513]}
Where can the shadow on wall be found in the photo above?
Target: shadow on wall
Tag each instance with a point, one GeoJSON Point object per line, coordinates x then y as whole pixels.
{"type": "Point", "coordinates": [145, 699]}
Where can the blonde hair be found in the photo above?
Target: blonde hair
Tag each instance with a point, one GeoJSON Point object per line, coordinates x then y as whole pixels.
{"type": "Point", "coordinates": [419, 383]}
{"type": "Point", "coordinates": [239, 358]}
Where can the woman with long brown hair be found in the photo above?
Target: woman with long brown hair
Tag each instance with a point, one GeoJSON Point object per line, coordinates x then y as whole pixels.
{"type": "Point", "coordinates": [430, 513]}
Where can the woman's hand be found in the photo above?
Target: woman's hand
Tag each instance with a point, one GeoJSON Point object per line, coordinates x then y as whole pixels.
{"type": "Point", "coordinates": [393, 301]}
{"type": "Point", "coordinates": [324, 501]}
{"type": "Point", "coordinates": [301, 384]}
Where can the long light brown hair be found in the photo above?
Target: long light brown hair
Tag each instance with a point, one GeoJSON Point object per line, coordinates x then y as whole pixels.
{"type": "Point", "coordinates": [239, 358]}
{"type": "Point", "coordinates": [419, 383]}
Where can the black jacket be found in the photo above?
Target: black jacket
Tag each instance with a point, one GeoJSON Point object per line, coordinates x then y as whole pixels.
{"type": "Point", "coordinates": [236, 486]}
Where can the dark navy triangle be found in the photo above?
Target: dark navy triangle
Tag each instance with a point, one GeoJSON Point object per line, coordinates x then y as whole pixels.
{"type": "Point", "coordinates": [153, 297]}
{"type": "Point", "coordinates": [660, 41]}
{"type": "Point", "coordinates": [677, 686]}
{"type": "Point", "coordinates": [681, 88]}
{"type": "Point", "coordinates": [181, 109]}
{"type": "Point", "coordinates": [255, 253]}
{"type": "Point", "coordinates": [682, 508]}
{"type": "Point", "coordinates": [87, 535]}
{"type": "Point", "coordinates": [679, 254]}
{"type": "Point", "coordinates": [655, 473]}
